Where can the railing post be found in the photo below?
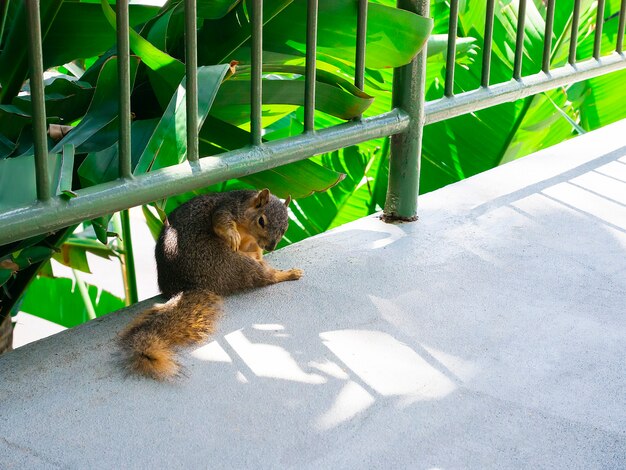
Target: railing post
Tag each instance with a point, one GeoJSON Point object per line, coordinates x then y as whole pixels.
{"type": "Point", "coordinates": [406, 148]}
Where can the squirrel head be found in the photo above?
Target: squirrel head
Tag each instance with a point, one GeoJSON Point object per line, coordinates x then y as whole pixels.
{"type": "Point", "coordinates": [267, 219]}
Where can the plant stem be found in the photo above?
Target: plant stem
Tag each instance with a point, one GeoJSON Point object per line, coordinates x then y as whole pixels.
{"type": "Point", "coordinates": [84, 293]}
{"type": "Point", "coordinates": [130, 258]}
{"type": "Point", "coordinates": [121, 221]}
{"type": "Point", "coordinates": [4, 4]}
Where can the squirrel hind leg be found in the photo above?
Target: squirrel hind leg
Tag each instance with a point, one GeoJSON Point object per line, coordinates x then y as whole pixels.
{"type": "Point", "coordinates": [288, 275]}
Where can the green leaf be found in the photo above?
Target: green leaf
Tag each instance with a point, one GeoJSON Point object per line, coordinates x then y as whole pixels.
{"type": "Point", "coordinates": [600, 101]}
{"type": "Point", "coordinates": [103, 111]}
{"type": "Point", "coordinates": [102, 166]}
{"type": "Point", "coordinates": [46, 270]}
{"type": "Point", "coordinates": [298, 181]}
{"type": "Point", "coordinates": [6, 147]}
{"type": "Point", "coordinates": [168, 144]}
{"type": "Point", "coordinates": [393, 36]}
{"type": "Point", "coordinates": [66, 173]}
{"type": "Point", "coordinates": [81, 31]}
{"type": "Point", "coordinates": [75, 259]}
{"type": "Point", "coordinates": [322, 211]}
{"type": "Point", "coordinates": [14, 56]}
{"type": "Point", "coordinates": [17, 180]}
{"type": "Point", "coordinates": [169, 71]}
{"type": "Point", "coordinates": [159, 32]}
{"type": "Point", "coordinates": [101, 228]}
{"type": "Point", "coordinates": [5, 275]}
{"type": "Point", "coordinates": [70, 29]}
{"type": "Point", "coordinates": [58, 300]}
{"type": "Point", "coordinates": [73, 252]}
{"type": "Point", "coordinates": [210, 9]}
{"type": "Point", "coordinates": [65, 98]}
{"type": "Point", "coordinates": [232, 103]}
{"type": "Point", "coordinates": [32, 255]}
{"type": "Point", "coordinates": [154, 223]}
{"type": "Point", "coordinates": [230, 33]}
{"type": "Point", "coordinates": [12, 121]}
{"type": "Point", "coordinates": [215, 9]}
{"type": "Point", "coordinates": [540, 126]}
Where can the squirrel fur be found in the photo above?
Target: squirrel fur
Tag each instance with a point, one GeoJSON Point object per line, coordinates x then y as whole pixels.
{"type": "Point", "coordinates": [209, 247]}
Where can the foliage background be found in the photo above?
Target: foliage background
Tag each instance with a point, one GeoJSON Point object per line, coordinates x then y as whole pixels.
{"type": "Point", "coordinates": [329, 189]}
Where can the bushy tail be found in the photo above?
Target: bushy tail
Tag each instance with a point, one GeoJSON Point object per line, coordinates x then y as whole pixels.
{"type": "Point", "coordinates": [149, 342]}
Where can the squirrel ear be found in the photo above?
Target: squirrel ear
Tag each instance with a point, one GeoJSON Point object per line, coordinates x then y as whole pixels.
{"type": "Point", "coordinates": [287, 201]}
{"type": "Point", "coordinates": [262, 198]}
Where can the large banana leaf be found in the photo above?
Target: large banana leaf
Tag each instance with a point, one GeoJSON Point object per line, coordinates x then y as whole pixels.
{"type": "Point", "coordinates": [17, 180]}
{"type": "Point", "coordinates": [466, 145]}
{"type": "Point", "coordinates": [103, 112]}
{"type": "Point", "coordinates": [71, 30]}
{"type": "Point", "coordinates": [393, 36]}
{"type": "Point", "coordinates": [167, 71]}
{"type": "Point", "coordinates": [168, 144]}
{"type": "Point", "coordinates": [59, 300]}
{"type": "Point", "coordinates": [233, 101]}
{"type": "Point", "coordinates": [65, 97]}
{"type": "Point", "coordinates": [599, 101]}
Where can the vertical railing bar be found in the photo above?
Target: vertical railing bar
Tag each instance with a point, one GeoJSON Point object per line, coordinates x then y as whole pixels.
{"type": "Point", "coordinates": [310, 69]}
{"type": "Point", "coordinates": [573, 42]}
{"type": "Point", "coordinates": [488, 42]}
{"type": "Point", "coordinates": [621, 29]}
{"type": "Point", "coordinates": [547, 39]}
{"type": "Point", "coordinates": [123, 79]}
{"type": "Point", "coordinates": [451, 52]}
{"type": "Point", "coordinates": [191, 79]}
{"type": "Point", "coordinates": [406, 148]}
{"type": "Point", "coordinates": [35, 57]}
{"type": "Point", "coordinates": [361, 39]}
{"type": "Point", "coordinates": [597, 40]}
{"type": "Point", "coordinates": [519, 40]}
{"type": "Point", "coordinates": [256, 91]}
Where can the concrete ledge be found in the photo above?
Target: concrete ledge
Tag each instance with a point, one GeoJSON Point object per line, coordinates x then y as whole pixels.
{"type": "Point", "coordinates": [490, 334]}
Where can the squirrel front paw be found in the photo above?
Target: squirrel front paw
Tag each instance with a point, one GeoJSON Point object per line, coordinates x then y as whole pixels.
{"type": "Point", "coordinates": [295, 274]}
{"type": "Point", "coordinates": [232, 239]}
{"type": "Point", "coordinates": [230, 235]}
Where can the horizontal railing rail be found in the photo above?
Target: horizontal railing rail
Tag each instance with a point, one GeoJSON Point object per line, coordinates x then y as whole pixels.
{"type": "Point", "coordinates": [404, 122]}
{"type": "Point", "coordinates": [515, 89]}
{"type": "Point", "coordinates": [123, 193]}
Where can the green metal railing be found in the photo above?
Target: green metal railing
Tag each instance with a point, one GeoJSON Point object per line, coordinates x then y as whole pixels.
{"type": "Point", "coordinates": [404, 123]}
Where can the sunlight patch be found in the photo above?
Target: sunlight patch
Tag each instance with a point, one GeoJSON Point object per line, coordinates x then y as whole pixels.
{"type": "Point", "coordinates": [211, 352]}
{"type": "Point", "coordinates": [330, 368]}
{"type": "Point", "coordinates": [270, 360]}
{"type": "Point", "coordinates": [351, 400]}
{"type": "Point", "coordinates": [387, 365]}
{"type": "Point", "coordinates": [268, 327]}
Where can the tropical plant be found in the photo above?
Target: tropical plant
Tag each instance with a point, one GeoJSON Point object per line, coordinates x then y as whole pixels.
{"type": "Point", "coordinates": [469, 144]}
{"type": "Point", "coordinates": [82, 108]}
{"type": "Point", "coordinates": [453, 149]}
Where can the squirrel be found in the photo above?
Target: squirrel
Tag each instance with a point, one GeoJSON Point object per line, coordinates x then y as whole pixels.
{"type": "Point", "coordinates": [209, 247]}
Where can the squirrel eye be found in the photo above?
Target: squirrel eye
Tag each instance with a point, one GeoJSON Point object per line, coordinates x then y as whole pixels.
{"type": "Point", "coordinates": [262, 221]}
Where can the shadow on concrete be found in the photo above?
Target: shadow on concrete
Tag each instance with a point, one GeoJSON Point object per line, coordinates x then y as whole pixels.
{"type": "Point", "coordinates": [493, 338]}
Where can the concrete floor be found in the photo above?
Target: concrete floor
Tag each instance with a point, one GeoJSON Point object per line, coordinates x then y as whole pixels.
{"type": "Point", "coordinates": [490, 334]}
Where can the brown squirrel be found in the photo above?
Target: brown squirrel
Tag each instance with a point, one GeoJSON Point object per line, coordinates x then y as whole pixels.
{"type": "Point", "coordinates": [208, 247]}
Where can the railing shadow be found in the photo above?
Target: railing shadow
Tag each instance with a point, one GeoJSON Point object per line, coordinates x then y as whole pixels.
{"type": "Point", "coordinates": [398, 338]}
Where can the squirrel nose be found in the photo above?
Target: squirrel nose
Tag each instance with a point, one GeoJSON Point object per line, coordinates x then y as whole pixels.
{"type": "Point", "coordinates": [271, 246]}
